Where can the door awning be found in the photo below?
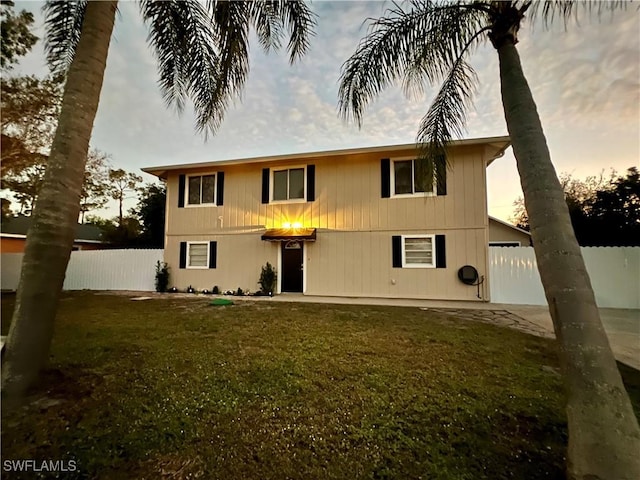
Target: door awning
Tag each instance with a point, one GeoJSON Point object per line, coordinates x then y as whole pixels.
{"type": "Point", "coordinates": [284, 234]}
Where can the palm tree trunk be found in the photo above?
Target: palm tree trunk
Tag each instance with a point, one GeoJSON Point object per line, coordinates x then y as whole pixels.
{"type": "Point", "coordinates": [604, 438]}
{"type": "Point", "coordinates": [50, 238]}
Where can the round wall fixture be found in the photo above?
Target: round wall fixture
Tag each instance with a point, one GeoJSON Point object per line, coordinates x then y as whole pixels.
{"type": "Point", "coordinates": [468, 275]}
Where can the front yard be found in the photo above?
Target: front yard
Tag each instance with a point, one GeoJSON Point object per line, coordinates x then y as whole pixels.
{"type": "Point", "coordinates": [175, 388]}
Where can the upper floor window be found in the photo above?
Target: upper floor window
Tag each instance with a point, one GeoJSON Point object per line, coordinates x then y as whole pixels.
{"type": "Point", "coordinates": [400, 178]}
{"type": "Point", "coordinates": [405, 180]}
{"type": "Point", "coordinates": [288, 184]}
{"type": "Point", "coordinates": [201, 190]}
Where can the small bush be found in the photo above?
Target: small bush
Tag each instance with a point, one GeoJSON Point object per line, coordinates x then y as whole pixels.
{"type": "Point", "coordinates": [162, 276]}
{"type": "Point", "coordinates": [268, 279]}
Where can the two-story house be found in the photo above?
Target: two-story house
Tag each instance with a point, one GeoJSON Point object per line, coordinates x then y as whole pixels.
{"type": "Point", "coordinates": [346, 223]}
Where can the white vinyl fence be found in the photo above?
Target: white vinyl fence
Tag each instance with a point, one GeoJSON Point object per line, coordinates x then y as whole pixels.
{"type": "Point", "coordinates": [614, 273]}
{"type": "Point", "coordinates": [513, 273]}
{"type": "Point", "coordinates": [96, 270]}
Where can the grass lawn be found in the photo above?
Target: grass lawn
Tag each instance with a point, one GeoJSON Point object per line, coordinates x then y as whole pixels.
{"type": "Point", "coordinates": [175, 388]}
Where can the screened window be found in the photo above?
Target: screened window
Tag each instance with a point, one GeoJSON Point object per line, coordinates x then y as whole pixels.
{"type": "Point", "coordinates": [202, 190]}
{"type": "Point", "coordinates": [405, 179]}
{"type": "Point", "coordinates": [288, 184]}
{"type": "Point", "coordinates": [198, 255]}
{"type": "Point", "coordinates": [418, 251]}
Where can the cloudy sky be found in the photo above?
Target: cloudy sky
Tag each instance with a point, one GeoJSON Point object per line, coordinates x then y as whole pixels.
{"type": "Point", "coordinates": [586, 82]}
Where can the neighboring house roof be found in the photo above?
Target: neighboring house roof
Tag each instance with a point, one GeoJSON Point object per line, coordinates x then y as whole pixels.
{"type": "Point", "coordinates": [506, 224]}
{"type": "Point", "coordinates": [500, 144]}
{"type": "Point", "coordinates": [17, 227]}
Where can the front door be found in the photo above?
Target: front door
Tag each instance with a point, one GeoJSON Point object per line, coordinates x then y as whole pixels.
{"type": "Point", "coordinates": [292, 261]}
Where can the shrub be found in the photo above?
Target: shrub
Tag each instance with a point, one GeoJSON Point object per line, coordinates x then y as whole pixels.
{"type": "Point", "coordinates": [162, 276]}
{"type": "Point", "coordinates": [267, 279]}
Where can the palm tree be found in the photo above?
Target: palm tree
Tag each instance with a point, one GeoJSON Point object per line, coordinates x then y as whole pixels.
{"type": "Point", "coordinates": [202, 53]}
{"type": "Point", "coordinates": [430, 41]}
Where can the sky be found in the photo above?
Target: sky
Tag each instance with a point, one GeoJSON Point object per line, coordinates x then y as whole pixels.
{"type": "Point", "coordinates": [585, 80]}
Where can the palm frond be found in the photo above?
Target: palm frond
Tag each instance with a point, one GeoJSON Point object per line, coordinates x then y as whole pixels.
{"type": "Point", "coordinates": [419, 44]}
{"type": "Point", "coordinates": [181, 35]}
{"type": "Point", "coordinates": [550, 11]}
{"type": "Point", "coordinates": [272, 18]}
{"type": "Point", "coordinates": [268, 24]}
{"type": "Point", "coordinates": [445, 120]}
{"type": "Point", "coordinates": [231, 28]}
{"type": "Point", "coordinates": [63, 26]}
{"type": "Point", "coordinates": [203, 48]}
{"type": "Point", "coordinates": [300, 21]}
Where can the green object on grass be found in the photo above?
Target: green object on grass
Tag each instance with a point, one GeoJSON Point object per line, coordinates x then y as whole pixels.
{"type": "Point", "coordinates": [221, 301]}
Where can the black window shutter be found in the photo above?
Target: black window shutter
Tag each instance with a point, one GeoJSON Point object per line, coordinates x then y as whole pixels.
{"type": "Point", "coordinates": [441, 253]}
{"type": "Point", "coordinates": [220, 189]}
{"type": "Point", "coordinates": [385, 175]}
{"type": "Point", "coordinates": [265, 185]}
{"type": "Point", "coordinates": [396, 248]}
{"type": "Point", "coordinates": [311, 183]}
{"type": "Point", "coordinates": [441, 173]}
{"type": "Point", "coordinates": [181, 183]}
{"type": "Point", "coordinates": [213, 254]}
{"type": "Point", "coordinates": [183, 254]}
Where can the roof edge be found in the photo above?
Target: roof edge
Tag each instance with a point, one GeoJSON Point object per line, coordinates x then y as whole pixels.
{"type": "Point", "coordinates": [161, 171]}
{"type": "Point", "coordinates": [507, 224]}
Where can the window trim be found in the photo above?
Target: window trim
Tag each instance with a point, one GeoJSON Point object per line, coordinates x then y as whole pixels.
{"type": "Point", "coordinates": [192, 267]}
{"type": "Point", "coordinates": [403, 251]}
{"type": "Point", "coordinates": [215, 190]}
{"type": "Point", "coordinates": [272, 171]}
{"type": "Point", "coordinates": [392, 181]}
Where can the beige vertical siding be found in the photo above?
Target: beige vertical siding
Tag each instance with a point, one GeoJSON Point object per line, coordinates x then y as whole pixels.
{"type": "Point", "coordinates": [239, 260]}
{"type": "Point", "coordinates": [360, 264]}
{"type": "Point", "coordinates": [503, 233]}
{"type": "Point", "coordinates": [352, 254]}
{"type": "Point", "coordinates": [348, 197]}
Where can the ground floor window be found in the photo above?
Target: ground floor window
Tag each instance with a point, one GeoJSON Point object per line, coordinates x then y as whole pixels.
{"type": "Point", "coordinates": [418, 251]}
{"type": "Point", "coordinates": [198, 254]}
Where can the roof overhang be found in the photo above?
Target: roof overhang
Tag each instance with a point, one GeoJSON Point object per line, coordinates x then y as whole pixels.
{"type": "Point", "coordinates": [497, 145]}
{"type": "Point", "coordinates": [506, 224]}
{"type": "Point", "coordinates": [286, 234]}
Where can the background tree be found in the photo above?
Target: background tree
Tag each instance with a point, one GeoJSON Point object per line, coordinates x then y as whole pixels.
{"type": "Point", "coordinates": [615, 211]}
{"type": "Point", "coordinates": [150, 212]}
{"type": "Point", "coordinates": [25, 183]}
{"type": "Point", "coordinates": [604, 211]}
{"type": "Point", "coordinates": [6, 208]}
{"type": "Point", "coordinates": [16, 38]}
{"type": "Point", "coordinates": [429, 42]}
{"type": "Point", "coordinates": [30, 108]}
{"type": "Point", "coordinates": [95, 187]}
{"type": "Point", "coordinates": [116, 234]}
{"type": "Point", "coordinates": [122, 183]}
{"type": "Point", "coordinates": [203, 55]}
